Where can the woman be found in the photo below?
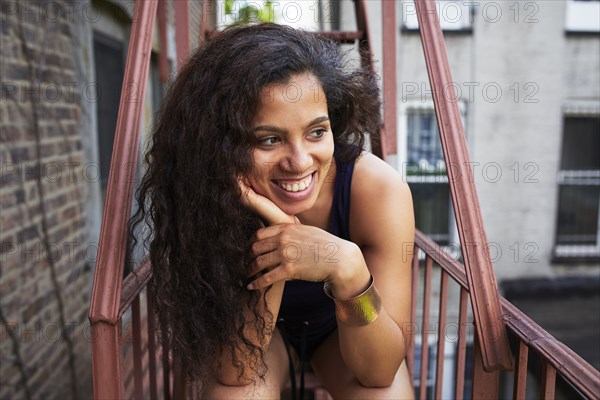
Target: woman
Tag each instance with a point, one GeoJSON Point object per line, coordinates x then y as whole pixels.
{"type": "Point", "coordinates": [274, 238]}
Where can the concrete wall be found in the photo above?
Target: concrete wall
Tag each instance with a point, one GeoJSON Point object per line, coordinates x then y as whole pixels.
{"type": "Point", "coordinates": [517, 71]}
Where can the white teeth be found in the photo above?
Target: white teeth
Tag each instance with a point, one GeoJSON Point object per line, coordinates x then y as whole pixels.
{"type": "Point", "coordinates": [297, 186]}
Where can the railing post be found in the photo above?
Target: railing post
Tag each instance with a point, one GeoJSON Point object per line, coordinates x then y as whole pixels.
{"type": "Point", "coordinates": [425, 329]}
{"type": "Point", "coordinates": [520, 375]}
{"type": "Point", "coordinates": [106, 360]}
{"type": "Point", "coordinates": [366, 60]}
{"type": "Point", "coordinates": [485, 384]}
{"type": "Point", "coordinates": [483, 288]}
{"type": "Point", "coordinates": [388, 136]}
{"type": "Point", "coordinates": [182, 31]}
{"type": "Point", "coordinates": [163, 62]}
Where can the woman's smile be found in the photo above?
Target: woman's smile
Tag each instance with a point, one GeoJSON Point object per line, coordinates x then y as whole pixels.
{"type": "Point", "coordinates": [298, 189]}
{"type": "Point", "coordinates": [295, 185]}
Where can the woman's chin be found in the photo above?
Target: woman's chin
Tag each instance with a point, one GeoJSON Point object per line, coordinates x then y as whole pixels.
{"type": "Point", "coordinates": [294, 209]}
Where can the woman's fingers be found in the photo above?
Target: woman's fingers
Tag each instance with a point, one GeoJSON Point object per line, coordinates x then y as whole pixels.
{"type": "Point", "coordinates": [275, 275]}
{"type": "Point", "coordinates": [263, 262]}
{"type": "Point", "coordinates": [293, 251]}
{"type": "Point", "coordinates": [261, 247]}
{"type": "Point", "coordinates": [263, 206]}
{"type": "Point", "coordinates": [268, 233]}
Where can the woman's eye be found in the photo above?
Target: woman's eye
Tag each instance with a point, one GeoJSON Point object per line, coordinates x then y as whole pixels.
{"type": "Point", "coordinates": [318, 133]}
{"type": "Point", "coordinates": [268, 141]}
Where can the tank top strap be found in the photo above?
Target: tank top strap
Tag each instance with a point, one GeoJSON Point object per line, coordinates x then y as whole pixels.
{"type": "Point", "coordinates": [340, 209]}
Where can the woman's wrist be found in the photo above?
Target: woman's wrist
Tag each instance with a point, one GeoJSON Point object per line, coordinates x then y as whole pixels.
{"type": "Point", "coordinates": [351, 277]}
{"type": "Point", "coordinates": [360, 310]}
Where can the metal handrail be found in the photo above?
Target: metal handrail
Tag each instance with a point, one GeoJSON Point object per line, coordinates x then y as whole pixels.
{"type": "Point", "coordinates": [480, 272]}
{"type": "Point", "coordinates": [569, 364]}
{"type": "Point", "coordinates": [117, 211]}
{"type": "Point", "coordinates": [104, 313]}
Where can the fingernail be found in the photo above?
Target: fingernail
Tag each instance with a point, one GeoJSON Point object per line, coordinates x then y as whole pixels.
{"type": "Point", "coordinates": [250, 286]}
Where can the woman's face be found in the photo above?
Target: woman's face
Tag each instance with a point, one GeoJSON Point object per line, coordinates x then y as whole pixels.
{"type": "Point", "coordinates": [294, 144]}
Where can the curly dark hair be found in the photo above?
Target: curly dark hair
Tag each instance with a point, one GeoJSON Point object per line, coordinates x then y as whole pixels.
{"type": "Point", "coordinates": [189, 201]}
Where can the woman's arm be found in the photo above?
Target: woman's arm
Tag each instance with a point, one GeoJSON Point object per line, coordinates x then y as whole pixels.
{"type": "Point", "coordinates": [382, 223]}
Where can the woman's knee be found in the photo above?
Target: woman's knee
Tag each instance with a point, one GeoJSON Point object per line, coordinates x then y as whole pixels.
{"type": "Point", "coordinates": [341, 383]}
{"type": "Point", "coordinates": [399, 388]}
{"type": "Point", "coordinates": [258, 390]}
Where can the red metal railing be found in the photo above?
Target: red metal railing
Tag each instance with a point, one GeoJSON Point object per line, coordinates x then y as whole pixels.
{"type": "Point", "coordinates": [555, 357]}
{"type": "Point", "coordinates": [128, 361]}
{"type": "Point", "coordinates": [473, 240]}
{"type": "Point", "coordinates": [111, 295]}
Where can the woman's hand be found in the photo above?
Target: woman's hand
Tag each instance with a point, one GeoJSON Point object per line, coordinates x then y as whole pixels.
{"type": "Point", "coordinates": [303, 252]}
{"type": "Point", "coordinates": [264, 207]}
{"type": "Point", "coordinates": [288, 250]}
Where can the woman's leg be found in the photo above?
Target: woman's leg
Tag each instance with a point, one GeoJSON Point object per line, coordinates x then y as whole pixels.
{"type": "Point", "coordinates": [277, 375]}
{"type": "Point", "coordinates": [341, 383]}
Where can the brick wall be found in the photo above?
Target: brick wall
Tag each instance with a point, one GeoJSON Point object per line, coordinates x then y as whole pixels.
{"type": "Point", "coordinates": [45, 263]}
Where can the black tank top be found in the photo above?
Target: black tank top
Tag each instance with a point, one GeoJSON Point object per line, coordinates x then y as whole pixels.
{"type": "Point", "coordinates": [304, 305]}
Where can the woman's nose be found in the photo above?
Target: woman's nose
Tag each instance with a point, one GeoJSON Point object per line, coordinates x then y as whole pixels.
{"type": "Point", "coordinates": [297, 159]}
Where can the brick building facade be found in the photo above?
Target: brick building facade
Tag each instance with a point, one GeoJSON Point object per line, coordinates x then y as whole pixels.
{"type": "Point", "coordinates": [45, 265]}
{"type": "Point", "coordinates": [61, 73]}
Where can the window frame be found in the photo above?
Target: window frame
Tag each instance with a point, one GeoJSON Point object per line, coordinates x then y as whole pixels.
{"type": "Point", "coordinates": [579, 17]}
{"type": "Point", "coordinates": [576, 253]}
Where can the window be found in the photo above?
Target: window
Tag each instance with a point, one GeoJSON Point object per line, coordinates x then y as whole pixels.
{"type": "Point", "coordinates": [426, 174]}
{"type": "Point", "coordinates": [424, 146]}
{"type": "Point", "coordinates": [578, 220]}
{"type": "Point", "coordinates": [109, 55]}
{"type": "Point", "coordinates": [582, 16]}
{"type": "Point", "coordinates": [454, 16]}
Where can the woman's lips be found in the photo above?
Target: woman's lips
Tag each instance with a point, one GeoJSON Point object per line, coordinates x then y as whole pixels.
{"type": "Point", "coordinates": [298, 189]}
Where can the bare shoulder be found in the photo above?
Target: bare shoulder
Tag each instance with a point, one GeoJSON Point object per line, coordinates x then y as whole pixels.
{"type": "Point", "coordinates": [381, 201]}
{"type": "Point", "coordinates": [374, 178]}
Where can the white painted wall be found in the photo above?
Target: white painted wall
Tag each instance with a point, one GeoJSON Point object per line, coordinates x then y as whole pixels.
{"type": "Point", "coordinates": [518, 71]}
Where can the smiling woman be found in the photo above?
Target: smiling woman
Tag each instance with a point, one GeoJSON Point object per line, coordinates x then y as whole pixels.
{"type": "Point", "coordinates": [274, 239]}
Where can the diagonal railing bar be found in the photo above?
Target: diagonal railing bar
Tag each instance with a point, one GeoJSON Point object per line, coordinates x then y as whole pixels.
{"type": "Point", "coordinates": [106, 292]}
{"type": "Point", "coordinates": [113, 235]}
{"type": "Point", "coordinates": [133, 283]}
{"type": "Point", "coordinates": [483, 288]}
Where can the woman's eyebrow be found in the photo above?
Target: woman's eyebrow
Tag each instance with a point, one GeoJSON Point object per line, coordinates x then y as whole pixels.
{"type": "Point", "coordinates": [271, 128]}
{"type": "Point", "coordinates": [317, 120]}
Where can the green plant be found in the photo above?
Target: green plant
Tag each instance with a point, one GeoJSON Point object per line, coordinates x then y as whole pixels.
{"type": "Point", "coordinates": [249, 13]}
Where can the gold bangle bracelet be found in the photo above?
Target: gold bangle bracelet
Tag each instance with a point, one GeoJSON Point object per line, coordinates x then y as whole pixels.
{"type": "Point", "coordinates": [360, 310]}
